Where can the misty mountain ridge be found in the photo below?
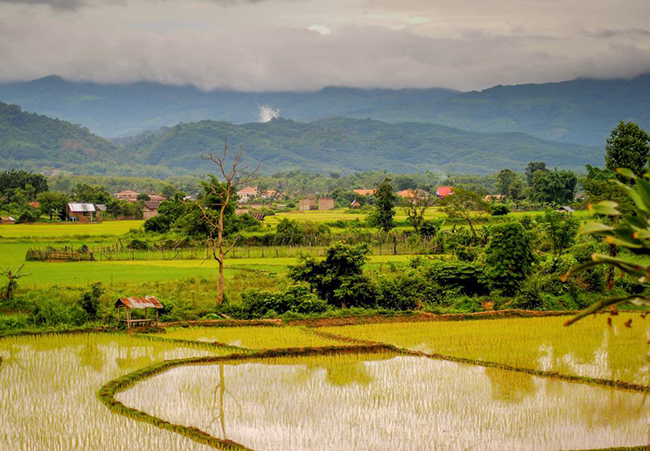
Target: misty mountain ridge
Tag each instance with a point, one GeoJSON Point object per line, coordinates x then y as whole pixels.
{"type": "Point", "coordinates": [344, 145]}
{"type": "Point", "coordinates": [580, 111]}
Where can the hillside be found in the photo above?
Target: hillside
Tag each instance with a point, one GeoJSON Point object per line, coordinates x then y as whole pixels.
{"type": "Point", "coordinates": [31, 138]}
{"type": "Point", "coordinates": [35, 142]}
{"type": "Point", "coordinates": [580, 111]}
{"type": "Point", "coordinates": [347, 145]}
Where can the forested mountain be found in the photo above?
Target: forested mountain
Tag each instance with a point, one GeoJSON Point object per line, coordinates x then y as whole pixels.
{"type": "Point", "coordinates": [31, 138]}
{"type": "Point", "coordinates": [582, 111]}
{"type": "Point", "coordinates": [348, 145]}
{"type": "Point", "coordinates": [31, 141]}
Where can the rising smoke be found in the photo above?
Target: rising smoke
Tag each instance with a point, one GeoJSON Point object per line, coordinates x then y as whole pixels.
{"type": "Point", "coordinates": [267, 113]}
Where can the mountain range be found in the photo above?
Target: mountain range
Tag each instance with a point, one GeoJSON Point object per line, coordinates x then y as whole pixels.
{"type": "Point", "coordinates": [580, 111]}
{"type": "Point", "coordinates": [36, 142]}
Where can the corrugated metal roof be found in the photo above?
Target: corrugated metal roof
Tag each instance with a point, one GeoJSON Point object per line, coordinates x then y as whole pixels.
{"type": "Point", "coordinates": [139, 302]}
{"type": "Point", "coordinates": [81, 208]}
{"type": "Point", "coordinates": [100, 207]}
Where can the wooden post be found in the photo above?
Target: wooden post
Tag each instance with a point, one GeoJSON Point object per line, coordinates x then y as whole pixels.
{"type": "Point", "coordinates": [128, 318]}
{"type": "Point", "coordinates": [156, 317]}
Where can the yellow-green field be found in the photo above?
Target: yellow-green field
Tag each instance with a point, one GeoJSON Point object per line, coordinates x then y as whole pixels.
{"type": "Point", "coordinates": [588, 348]}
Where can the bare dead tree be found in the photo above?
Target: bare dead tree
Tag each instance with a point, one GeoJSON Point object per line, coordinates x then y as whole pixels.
{"type": "Point", "coordinates": [230, 174]}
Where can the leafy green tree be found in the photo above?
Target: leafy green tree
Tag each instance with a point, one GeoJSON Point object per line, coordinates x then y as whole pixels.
{"type": "Point", "coordinates": [143, 197]}
{"type": "Point", "coordinates": [26, 181]}
{"type": "Point", "coordinates": [509, 257]}
{"type": "Point", "coordinates": [556, 187]}
{"type": "Point", "coordinates": [90, 300]}
{"type": "Point", "coordinates": [339, 278]}
{"type": "Point", "coordinates": [628, 146]}
{"type": "Point", "coordinates": [517, 189]}
{"type": "Point", "coordinates": [505, 179]}
{"type": "Point", "coordinates": [384, 213]}
{"type": "Point", "coordinates": [560, 229]}
{"type": "Point", "coordinates": [53, 204]}
{"type": "Point", "coordinates": [630, 231]}
{"type": "Point", "coordinates": [94, 194]}
{"type": "Point", "coordinates": [288, 232]}
{"type": "Point", "coordinates": [466, 205]}
{"type": "Point", "coordinates": [532, 168]}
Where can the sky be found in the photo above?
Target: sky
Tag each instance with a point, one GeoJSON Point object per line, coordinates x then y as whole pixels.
{"type": "Point", "coordinates": [271, 45]}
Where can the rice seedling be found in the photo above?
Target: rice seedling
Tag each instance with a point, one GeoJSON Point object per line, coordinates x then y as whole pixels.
{"type": "Point", "coordinates": [388, 401]}
{"type": "Point", "coordinates": [589, 348]}
{"type": "Point", "coordinates": [48, 392]}
{"type": "Point", "coordinates": [258, 337]}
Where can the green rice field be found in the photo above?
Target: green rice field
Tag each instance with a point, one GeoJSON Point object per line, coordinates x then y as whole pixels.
{"type": "Point", "coordinates": [306, 398]}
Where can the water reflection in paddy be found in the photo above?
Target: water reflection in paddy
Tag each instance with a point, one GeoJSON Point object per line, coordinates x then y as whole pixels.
{"type": "Point", "coordinates": [390, 402]}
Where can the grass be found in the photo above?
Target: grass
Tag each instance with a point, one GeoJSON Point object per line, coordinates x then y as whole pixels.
{"type": "Point", "coordinates": [68, 229]}
{"type": "Point", "coordinates": [262, 337]}
{"type": "Point", "coordinates": [384, 401]}
{"type": "Point", "coordinates": [48, 385]}
{"type": "Point", "coordinates": [588, 348]}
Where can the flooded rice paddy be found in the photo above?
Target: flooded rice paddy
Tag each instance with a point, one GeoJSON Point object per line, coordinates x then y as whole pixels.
{"type": "Point", "coordinates": [384, 401]}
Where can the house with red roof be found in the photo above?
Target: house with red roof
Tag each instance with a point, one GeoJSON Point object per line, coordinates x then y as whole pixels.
{"type": "Point", "coordinates": [444, 191]}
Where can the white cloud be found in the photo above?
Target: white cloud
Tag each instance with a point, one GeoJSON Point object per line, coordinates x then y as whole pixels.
{"type": "Point", "coordinates": [322, 29]}
{"type": "Point", "coordinates": [267, 113]}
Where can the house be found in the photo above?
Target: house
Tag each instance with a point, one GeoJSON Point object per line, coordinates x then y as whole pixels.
{"type": "Point", "coordinates": [325, 203]}
{"type": "Point", "coordinates": [247, 193]}
{"type": "Point", "coordinates": [444, 191]}
{"type": "Point", "coordinates": [138, 303]}
{"type": "Point", "coordinates": [407, 194]}
{"type": "Point", "coordinates": [157, 198]}
{"type": "Point", "coordinates": [306, 204]}
{"type": "Point", "coordinates": [494, 197]}
{"type": "Point", "coordinates": [150, 209]}
{"type": "Point", "coordinates": [364, 192]}
{"type": "Point", "coordinates": [80, 212]}
{"type": "Point", "coordinates": [7, 220]}
{"type": "Point", "coordinates": [354, 205]}
{"type": "Point", "coordinates": [566, 210]}
{"type": "Point", "coordinates": [127, 195]}
{"type": "Point", "coordinates": [35, 205]}
{"type": "Point", "coordinates": [268, 194]}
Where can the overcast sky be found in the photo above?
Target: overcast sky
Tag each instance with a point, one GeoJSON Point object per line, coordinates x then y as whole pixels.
{"type": "Point", "coordinates": [308, 44]}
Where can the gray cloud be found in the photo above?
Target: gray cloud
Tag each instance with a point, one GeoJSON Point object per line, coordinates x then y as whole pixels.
{"type": "Point", "coordinates": [72, 5]}
{"type": "Point", "coordinates": [625, 33]}
{"type": "Point", "coordinates": [276, 45]}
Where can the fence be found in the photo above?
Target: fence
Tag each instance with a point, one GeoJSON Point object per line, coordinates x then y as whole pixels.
{"type": "Point", "coordinates": [392, 246]}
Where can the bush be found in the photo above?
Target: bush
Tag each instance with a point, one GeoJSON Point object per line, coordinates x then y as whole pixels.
{"type": "Point", "coordinates": [48, 312]}
{"type": "Point", "coordinates": [456, 277]}
{"type": "Point", "coordinates": [408, 291]}
{"type": "Point", "coordinates": [509, 257]}
{"type": "Point", "coordinates": [90, 300]}
{"type": "Point", "coordinates": [499, 210]}
{"type": "Point", "coordinates": [138, 245]}
{"type": "Point", "coordinates": [262, 304]}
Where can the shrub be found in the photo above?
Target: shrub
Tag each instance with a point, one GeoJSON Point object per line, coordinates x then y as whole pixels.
{"type": "Point", "coordinates": [261, 304]}
{"type": "Point", "coordinates": [137, 244]}
{"type": "Point", "coordinates": [48, 312]}
{"type": "Point", "coordinates": [509, 257]}
{"type": "Point", "coordinates": [90, 300]}
{"type": "Point", "coordinates": [457, 277]}
{"type": "Point", "coordinates": [499, 210]}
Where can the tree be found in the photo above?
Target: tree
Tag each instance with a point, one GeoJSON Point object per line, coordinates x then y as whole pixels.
{"type": "Point", "coordinates": [12, 281]}
{"type": "Point", "coordinates": [466, 205]}
{"type": "Point", "coordinates": [53, 204]}
{"type": "Point", "coordinates": [222, 196]}
{"type": "Point", "coordinates": [628, 146]}
{"type": "Point", "coordinates": [560, 229]}
{"type": "Point", "coordinates": [505, 179]}
{"type": "Point", "coordinates": [532, 168]}
{"type": "Point", "coordinates": [143, 197]}
{"type": "Point", "coordinates": [509, 257]}
{"type": "Point", "coordinates": [26, 181]}
{"type": "Point", "coordinates": [556, 187]}
{"type": "Point", "coordinates": [384, 213]}
{"type": "Point", "coordinates": [416, 207]}
{"type": "Point", "coordinates": [338, 279]}
{"type": "Point", "coordinates": [94, 194]}
{"type": "Point", "coordinates": [631, 231]}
